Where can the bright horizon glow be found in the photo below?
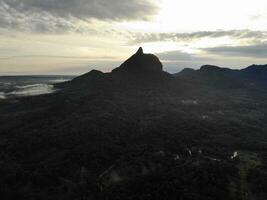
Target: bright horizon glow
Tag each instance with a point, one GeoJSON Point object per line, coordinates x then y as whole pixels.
{"type": "Point", "coordinates": [191, 15]}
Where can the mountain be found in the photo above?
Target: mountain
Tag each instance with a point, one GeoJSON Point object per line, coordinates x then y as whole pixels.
{"type": "Point", "coordinates": [226, 77]}
{"type": "Point", "coordinates": [139, 70]}
{"type": "Point", "coordinates": [255, 74]}
{"type": "Point", "coordinates": [256, 69]}
{"type": "Point", "coordinates": [146, 69]}
{"type": "Point", "coordinates": [139, 133]}
{"type": "Point", "coordinates": [185, 71]}
{"type": "Point", "coordinates": [140, 64]}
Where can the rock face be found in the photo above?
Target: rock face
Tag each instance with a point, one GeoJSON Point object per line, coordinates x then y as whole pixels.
{"type": "Point", "coordinates": [140, 63]}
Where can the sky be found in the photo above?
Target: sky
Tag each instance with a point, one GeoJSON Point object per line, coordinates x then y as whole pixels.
{"type": "Point", "coordinates": [76, 36]}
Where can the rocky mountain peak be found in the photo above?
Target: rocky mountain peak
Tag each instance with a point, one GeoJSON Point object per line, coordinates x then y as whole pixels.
{"type": "Point", "coordinates": [140, 63]}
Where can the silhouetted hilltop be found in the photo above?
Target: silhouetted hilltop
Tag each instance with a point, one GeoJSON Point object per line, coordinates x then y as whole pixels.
{"type": "Point", "coordinates": [185, 71]}
{"type": "Point", "coordinates": [255, 74]}
{"type": "Point", "coordinates": [93, 75]}
{"type": "Point", "coordinates": [139, 70]}
{"type": "Point", "coordinates": [140, 63]}
{"type": "Point", "coordinates": [212, 68]}
{"type": "Point", "coordinates": [256, 69]}
{"type": "Point", "coordinates": [226, 77]}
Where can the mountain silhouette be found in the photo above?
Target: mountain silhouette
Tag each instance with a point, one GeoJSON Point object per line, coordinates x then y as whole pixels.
{"type": "Point", "coordinates": [140, 63]}
{"type": "Point", "coordinates": [146, 69]}
{"type": "Point", "coordinates": [255, 74]}
{"type": "Point", "coordinates": [139, 70]}
{"type": "Point", "coordinates": [226, 77]}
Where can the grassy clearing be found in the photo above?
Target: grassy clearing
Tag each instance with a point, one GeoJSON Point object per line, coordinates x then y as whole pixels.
{"type": "Point", "coordinates": [248, 161]}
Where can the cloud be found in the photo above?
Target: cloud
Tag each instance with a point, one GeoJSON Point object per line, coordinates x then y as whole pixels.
{"type": "Point", "coordinates": [171, 56]}
{"type": "Point", "coordinates": [92, 58]}
{"type": "Point", "coordinates": [253, 51]}
{"type": "Point", "coordinates": [60, 16]}
{"type": "Point", "coordinates": [86, 9]}
{"type": "Point", "coordinates": [177, 37]}
{"type": "Point", "coordinates": [261, 16]}
{"type": "Point", "coordinates": [11, 19]}
{"type": "Point", "coordinates": [174, 61]}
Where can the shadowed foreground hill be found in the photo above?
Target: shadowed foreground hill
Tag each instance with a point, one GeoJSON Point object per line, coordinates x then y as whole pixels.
{"type": "Point", "coordinates": [139, 133]}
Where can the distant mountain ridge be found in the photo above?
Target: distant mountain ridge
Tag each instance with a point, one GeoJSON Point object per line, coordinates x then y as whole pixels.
{"type": "Point", "coordinates": [143, 68]}
{"type": "Point", "coordinates": [252, 75]}
{"type": "Point", "coordinates": [256, 69]}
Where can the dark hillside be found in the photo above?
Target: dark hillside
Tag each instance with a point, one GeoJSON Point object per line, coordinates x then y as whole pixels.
{"type": "Point", "coordinates": [138, 133]}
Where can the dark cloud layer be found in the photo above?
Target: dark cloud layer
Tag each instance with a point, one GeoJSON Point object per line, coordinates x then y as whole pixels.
{"type": "Point", "coordinates": [62, 15]}
{"type": "Point", "coordinates": [177, 37]}
{"type": "Point", "coordinates": [254, 51]}
{"type": "Point", "coordinates": [39, 23]}
{"type": "Point", "coordinates": [84, 9]}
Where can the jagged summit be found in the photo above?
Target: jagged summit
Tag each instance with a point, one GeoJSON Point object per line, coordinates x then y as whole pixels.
{"type": "Point", "coordinates": [140, 63]}
{"type": "Point", "coordinates": [140, 51]}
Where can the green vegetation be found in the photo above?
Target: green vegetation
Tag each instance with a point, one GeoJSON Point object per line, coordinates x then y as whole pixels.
{"type": "Point", "coordinates": [124, 137]}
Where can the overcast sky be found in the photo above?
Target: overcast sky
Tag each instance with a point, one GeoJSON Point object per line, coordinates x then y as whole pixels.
{"type": "Point", "coordinates": [75, 36]}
